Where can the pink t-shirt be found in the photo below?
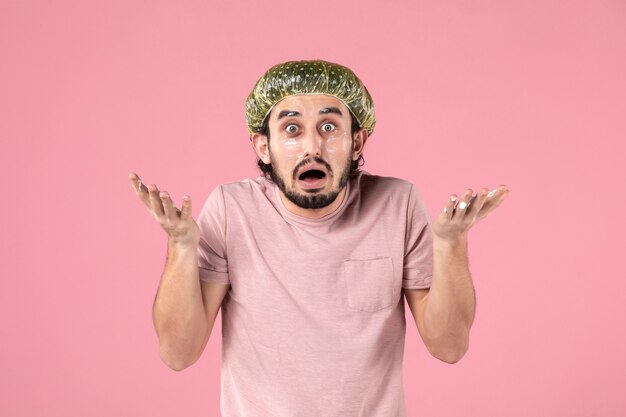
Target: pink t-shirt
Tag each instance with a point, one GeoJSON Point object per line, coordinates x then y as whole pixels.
{"type": "Point", "coordinates": [314, 322]}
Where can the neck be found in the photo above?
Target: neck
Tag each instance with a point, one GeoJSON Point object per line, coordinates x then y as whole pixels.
{"type": "Point", "coordinates": [313, 213]}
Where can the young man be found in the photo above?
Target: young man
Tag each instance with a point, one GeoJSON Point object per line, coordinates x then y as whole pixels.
{"type": "Point", "coordinates": [309, 263]}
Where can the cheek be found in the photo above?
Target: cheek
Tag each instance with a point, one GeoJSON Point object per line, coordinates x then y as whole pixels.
{"type": "Point", "coordinates": [289, 148]}
{"type": "Point", "coordinates": [339, 145]}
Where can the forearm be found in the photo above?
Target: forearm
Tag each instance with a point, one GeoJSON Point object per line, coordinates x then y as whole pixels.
{"type": "Point", "coordinates": [451, 305]}
{"type": "Point", "coordinates": [178, 312]}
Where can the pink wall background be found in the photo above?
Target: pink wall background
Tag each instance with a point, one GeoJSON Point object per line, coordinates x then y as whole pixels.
{"type": "Point", "coordinates": [468, 94]}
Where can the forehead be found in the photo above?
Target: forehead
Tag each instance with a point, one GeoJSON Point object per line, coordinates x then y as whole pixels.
{"type": "Point", "coordinates": [302, 102]}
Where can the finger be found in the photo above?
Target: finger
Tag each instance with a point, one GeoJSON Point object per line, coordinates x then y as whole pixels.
{"type": "Point", "coordinates": [496, 196]}
{"type": "Point", "coordinates": [478, 201]}
{"type": "Point", "coordinates": [461, 208]}
{"type": "Point", "coordinates": [185, 211]}
{"type": "Point", "coordinates": [449, 208]}
{"type": "Point", "coordinates": [501, 194]}
{"type": "Point", "coordinates": [136, 183]}
{"type": "Point", "coordinates": [140, 189]}
{"type": "Point", "coordinates": [504, 191]}
{"type": "Point", "coordinates": [492, 201]}
{"type": "Point", "coordinates": [168, 206]}
{"type": "Point", "coordinates": [155, 201]}
{"type": "Point", "coordinates": [497, 192]}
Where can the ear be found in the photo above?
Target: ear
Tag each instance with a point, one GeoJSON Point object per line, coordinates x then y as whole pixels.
{"type": "Point", "coordinates": [260, 145]}
{"type": "Point", "coordinates": [360, 138]}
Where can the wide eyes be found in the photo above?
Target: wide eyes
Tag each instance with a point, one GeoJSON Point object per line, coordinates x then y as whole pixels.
{"type": "Point", "coordinates": [326, 127]}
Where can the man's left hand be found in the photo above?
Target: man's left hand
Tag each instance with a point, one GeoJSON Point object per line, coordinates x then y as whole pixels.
{"type": "Point", "coordinates": [460, 215]}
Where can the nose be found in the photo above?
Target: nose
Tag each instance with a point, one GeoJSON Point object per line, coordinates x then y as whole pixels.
{"type": "Point", "coordinates": [312, 145]}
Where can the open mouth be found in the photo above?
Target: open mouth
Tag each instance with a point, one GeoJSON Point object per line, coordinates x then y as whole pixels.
{"type": "Point", "coordinates": [312, 178]}
{"type": "Point", "coordinates": [312, 174]}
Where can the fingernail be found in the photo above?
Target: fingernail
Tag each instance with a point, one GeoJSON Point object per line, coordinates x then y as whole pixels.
{"type": "Point", "coordinates": [453, 198]}
{"type": "Point", "coordinates": [462, 205]}
{"type": "Point", "coordinates": [491, 193]}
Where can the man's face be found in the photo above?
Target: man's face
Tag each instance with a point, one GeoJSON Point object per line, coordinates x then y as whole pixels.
{"type": "Point", "coordinates": [311, 148]}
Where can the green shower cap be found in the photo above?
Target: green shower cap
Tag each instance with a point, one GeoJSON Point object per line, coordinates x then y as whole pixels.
{"type": "Point", "coordinates": [309, 77]}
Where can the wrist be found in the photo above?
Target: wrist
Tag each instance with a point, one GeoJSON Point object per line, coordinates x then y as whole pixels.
{"type": "Point", "coordinates": [459, 242]}
{"type": "Point", "coordinates": [181, 246]}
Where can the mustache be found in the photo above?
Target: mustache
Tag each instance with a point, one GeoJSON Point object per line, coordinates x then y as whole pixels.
{"type": "Point", "coordinates": [310, 160]}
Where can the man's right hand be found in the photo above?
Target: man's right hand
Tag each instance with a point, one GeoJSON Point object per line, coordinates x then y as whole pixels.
{"type": "Point", "coordinates": [178, 224]}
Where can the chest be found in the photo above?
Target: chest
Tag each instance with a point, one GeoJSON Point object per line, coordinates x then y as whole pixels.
{"type": "Point", "coordinates": [348, 265]}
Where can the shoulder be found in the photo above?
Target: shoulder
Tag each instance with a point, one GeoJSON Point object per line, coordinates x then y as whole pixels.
{"type": "Point", "coordinates": [398, 191]}
{"type": "Point", "coordinates": [245, 187]}
{"type": "Point", "coordinates": [369, 183]}
{"type": "Point", "coordinates": [245, 195]}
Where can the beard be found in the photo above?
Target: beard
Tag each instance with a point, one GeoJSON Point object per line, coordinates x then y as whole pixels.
{"type": "Point", "coordinates": [312, 200]}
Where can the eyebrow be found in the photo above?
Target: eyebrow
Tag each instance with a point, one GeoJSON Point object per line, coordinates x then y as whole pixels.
{"type": "Point", "coordinates": [325, 110]}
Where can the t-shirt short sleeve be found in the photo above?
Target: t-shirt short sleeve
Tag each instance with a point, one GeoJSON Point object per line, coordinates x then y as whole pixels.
{"type": "Point", "coordinates": [418, 246]}
{"type": "Point", "coordinates": [212, 260]}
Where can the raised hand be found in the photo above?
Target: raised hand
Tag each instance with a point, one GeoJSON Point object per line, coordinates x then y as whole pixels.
{"type": "Point", "coordinates": [460, 215]}
{"type": "Point", "coordinates": [178, 224]}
